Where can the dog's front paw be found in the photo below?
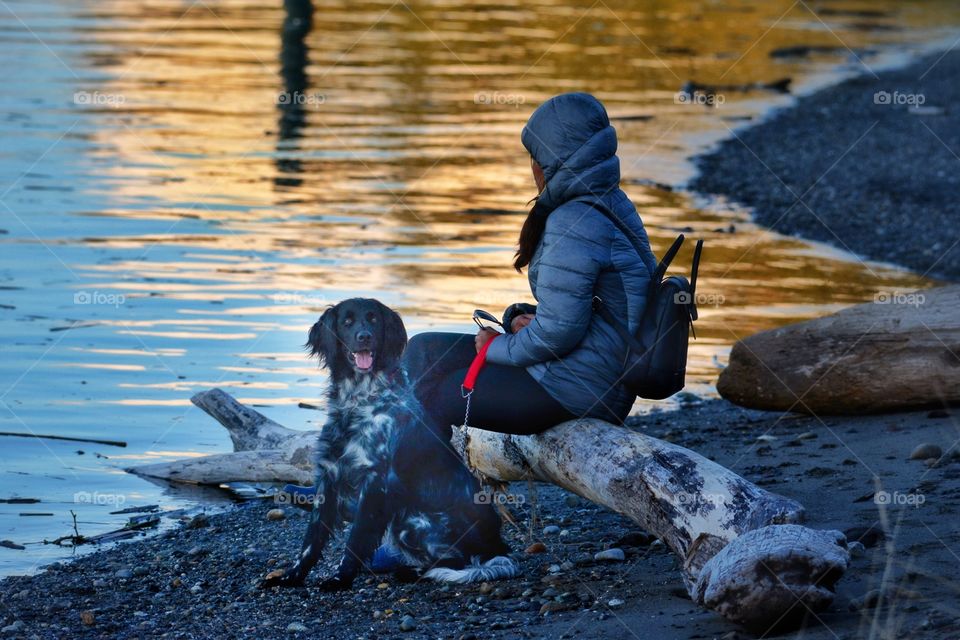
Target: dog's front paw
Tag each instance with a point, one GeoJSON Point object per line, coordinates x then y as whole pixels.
{"type": "Point", "coordinates": [282, 578]}
{"type": "Point", "coordinates": [336, 583]}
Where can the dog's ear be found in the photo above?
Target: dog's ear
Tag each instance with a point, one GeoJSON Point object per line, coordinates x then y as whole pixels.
{"type": "Point", "coordinates": [394, 336]}
{"type": "Point", "coordinates": [322, 341]}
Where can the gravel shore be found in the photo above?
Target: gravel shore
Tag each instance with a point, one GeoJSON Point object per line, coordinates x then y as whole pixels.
{"type": "Point", "coordinates": [199, 581]}
{"type": "Point", "coordinates": [871, 165]}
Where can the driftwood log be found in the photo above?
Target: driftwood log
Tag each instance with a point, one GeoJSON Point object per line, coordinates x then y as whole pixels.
{"type": "Point", "coordinates": [900, 352]}
{"type": "Point", "coordinates": [744, 554]}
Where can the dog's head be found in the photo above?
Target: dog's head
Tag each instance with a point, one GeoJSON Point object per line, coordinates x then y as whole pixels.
{"type": "Point", "coordinates": [359, 336]}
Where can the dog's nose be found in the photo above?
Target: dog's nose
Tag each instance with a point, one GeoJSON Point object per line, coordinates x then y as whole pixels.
{"type": "Point", "coordinates": [364, 336]}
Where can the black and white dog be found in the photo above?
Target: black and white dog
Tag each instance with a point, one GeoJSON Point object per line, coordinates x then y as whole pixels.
{"type": "Point", "coordinates": [382, 464]}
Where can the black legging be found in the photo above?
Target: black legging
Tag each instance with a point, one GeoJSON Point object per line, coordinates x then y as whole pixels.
{"type": "Point", "coordinates": [505, 399]}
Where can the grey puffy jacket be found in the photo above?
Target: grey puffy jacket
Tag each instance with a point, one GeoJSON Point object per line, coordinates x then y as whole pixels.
{"type": "Point", "coordinates": [576, 356]}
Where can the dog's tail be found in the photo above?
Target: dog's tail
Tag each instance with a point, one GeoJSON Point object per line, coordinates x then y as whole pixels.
{"type": "Point", "coordinates": [493, 569]}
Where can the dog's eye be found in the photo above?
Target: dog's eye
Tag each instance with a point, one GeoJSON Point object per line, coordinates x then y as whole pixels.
{"type": "Point", "coordinates": [347, 322]}
{"type": "Point", "coordinates": [372, 317]}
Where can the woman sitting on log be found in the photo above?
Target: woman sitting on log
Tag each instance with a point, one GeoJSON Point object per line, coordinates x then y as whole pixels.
{"type": "Point", "coordinates": [558, 360]}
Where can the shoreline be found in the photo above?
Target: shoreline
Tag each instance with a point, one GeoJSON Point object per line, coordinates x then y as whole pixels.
{"type": "Point", "coordinates": [821, 169]}
{"type": "Point", "coordinates": [200, 580]}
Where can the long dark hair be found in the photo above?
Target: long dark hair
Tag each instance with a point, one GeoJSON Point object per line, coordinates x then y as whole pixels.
{"type": "Point", "coordinates": [530, 234]}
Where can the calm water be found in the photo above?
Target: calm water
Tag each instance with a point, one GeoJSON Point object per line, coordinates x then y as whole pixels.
{"type": "Point", "coordinates": [184, 186]}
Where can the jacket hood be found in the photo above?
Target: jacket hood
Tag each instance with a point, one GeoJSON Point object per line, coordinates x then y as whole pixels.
{"type": "Point", "coordinates": [571, 138]}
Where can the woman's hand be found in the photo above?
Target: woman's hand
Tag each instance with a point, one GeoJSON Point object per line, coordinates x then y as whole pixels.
{"type": "Point", "coordinates": [520, 321]}
{"type": "Point", "coordinates": [484, 336]}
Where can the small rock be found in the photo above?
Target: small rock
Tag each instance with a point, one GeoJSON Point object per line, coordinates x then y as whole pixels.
{"type": "Point", "coordinates": [383, 585]}
{"type": "Point", "coordinates": [856, 549]}
{"type": "Point", "coordinates": [554, 568]}
{"type": "Point", "coordinates": [925, 451]}
{"type": "Point", "coordinates": [610, 555]}
{"type": "Point", "coordinates": [15, 627]}
{"type": "Point", "coordinates": [809, 435]}
{"type": "Point", "coordinates": [276, 514]}
{"type": "Point", "coordinates": [408, 623]}
{"type": "Point", "coordinates": [536, 547]}
{"type": "Point", "coordinates": [527, 593]}
{"type": "Point", "coordinates": [486, 588]}
{"type": "Point", "coordinates": [572, 500]}
{"type": "Point", "coordinates": [566, 565]}
{"type": "Point", "coordinates": [634, 539]}
{"type": "Point", "coordinates": [296, 627]}
{"type": "Point", "coordinates": [196, 588]}
{"type": "Point", "coordinates": [196, 551]}
{"type": "Point", "coordinates": [123, 574]}
{"type": "Point", "coordinates": [553, 607]}
{"type": "Point", "coordinates": [87, 617]}
{"type": "Point", "coordinates": [199, 521]}
{"type": "Point", "coordinates": [551, 530]}
{"type": "Point", "coordinates": [615, 603]}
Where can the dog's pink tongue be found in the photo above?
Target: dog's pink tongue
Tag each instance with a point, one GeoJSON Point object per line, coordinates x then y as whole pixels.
{"type": "Point", "coordinates": [364, 359]}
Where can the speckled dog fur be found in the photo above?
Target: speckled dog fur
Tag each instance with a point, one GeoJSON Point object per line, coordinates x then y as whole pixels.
{"type": "Point", "coordinates": [384, 466]}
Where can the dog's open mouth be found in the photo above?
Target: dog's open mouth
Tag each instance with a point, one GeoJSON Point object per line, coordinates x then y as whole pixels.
{"type": "Point", "coordinates": [363, 360]}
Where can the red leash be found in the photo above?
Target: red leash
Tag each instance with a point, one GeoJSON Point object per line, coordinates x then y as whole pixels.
{"type": "Point", "coordinates": [470, 380]}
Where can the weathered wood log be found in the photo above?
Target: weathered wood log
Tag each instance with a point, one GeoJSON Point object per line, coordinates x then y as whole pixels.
{"type": "Point", "coordinates": [701, 510]}
{"type": "Point", "coordinates": [266, 465]}
{"type": "Point", "coordinates": [743, 555]}
{"type": "Point", "coordinates": [264, 451]}
{"type": "Point", "coordinates": [900, 352]}
{"type": "Point", "coordinates": [249, 429]}
{"type": "Point", "coordinates": [772, 576]}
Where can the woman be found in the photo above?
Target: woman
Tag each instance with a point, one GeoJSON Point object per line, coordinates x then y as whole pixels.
{"type": "Point", "coordinates": [558, 360]}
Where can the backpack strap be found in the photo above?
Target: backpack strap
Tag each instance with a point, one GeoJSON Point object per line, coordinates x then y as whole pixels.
{"type": "Point", "coordinates": [635, 241]}
{"type": "Point", "coordinates": [617, 222]}
{"type": "Point", "coordinates": [667, 259]}
{"type": "Point", "coordinates": [618, 326]}
{"type": "Point", "coordinates": [693, 279]}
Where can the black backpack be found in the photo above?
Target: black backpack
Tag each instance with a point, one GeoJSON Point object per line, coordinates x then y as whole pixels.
{"type": "Point", "coordinates": [656, 361]}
